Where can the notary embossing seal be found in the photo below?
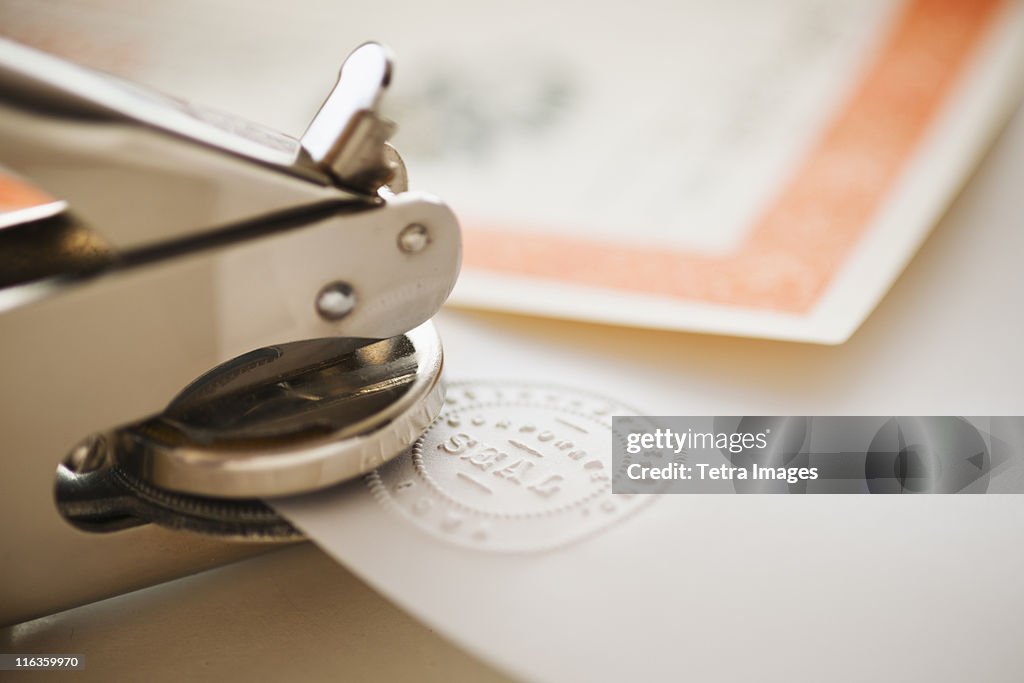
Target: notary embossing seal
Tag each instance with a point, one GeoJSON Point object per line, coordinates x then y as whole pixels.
{"type": "Point", "coordinates": [511, 468]}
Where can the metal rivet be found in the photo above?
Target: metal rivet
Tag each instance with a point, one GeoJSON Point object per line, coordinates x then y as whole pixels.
{"type": "Point", "coordinates": [414, 238]}
{"type": "Point", "coordinates": [335, 301]}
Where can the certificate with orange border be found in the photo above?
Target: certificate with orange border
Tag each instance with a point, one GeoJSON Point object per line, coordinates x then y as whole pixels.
{"type": "Point", "coordinates": [927, 99]}
{"type": "Point", "coordinates": [763, 169]}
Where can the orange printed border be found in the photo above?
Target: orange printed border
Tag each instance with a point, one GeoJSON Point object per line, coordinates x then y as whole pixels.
{"type": "Point", "coordinates": [16, 194]}
{"type": "Point", "coordinates": [802, 238]}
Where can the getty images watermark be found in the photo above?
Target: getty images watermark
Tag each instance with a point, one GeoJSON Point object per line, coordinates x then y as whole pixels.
{"type": "Point", "coordinates": [832, 454]}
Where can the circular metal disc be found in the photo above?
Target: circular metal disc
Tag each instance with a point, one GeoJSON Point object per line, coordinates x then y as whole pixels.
{"type": "Point", "coordinates": [290, 418]}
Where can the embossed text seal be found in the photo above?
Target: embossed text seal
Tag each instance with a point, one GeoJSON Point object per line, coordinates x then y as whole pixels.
{"type": "Point", "coordinates": [511, 467]}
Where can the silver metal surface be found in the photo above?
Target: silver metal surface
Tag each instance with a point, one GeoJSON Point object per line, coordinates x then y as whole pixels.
{"type": "Point", "coordinates": [414, 238]}
{"type": "Point", "coordinates": [347, 136]}
{"type": "Point", "coordinates": [275, 421]}
{"type": "Point", "coordinates": [110, 499]}
{"type": "Point", "coordinates": [142, 168]}
{"type": "Point", "coordinates": [177, 240]}
{"type": "Point", "coordinates": [335, 300]}
{"type": "Point", "coordinates": [290, 418]}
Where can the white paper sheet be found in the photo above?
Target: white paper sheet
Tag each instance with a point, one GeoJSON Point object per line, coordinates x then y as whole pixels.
{"type": "Point", "coordinates": [705, 587]}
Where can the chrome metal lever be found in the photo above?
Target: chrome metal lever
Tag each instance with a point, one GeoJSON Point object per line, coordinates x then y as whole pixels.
{"type": "Point", "coordinates": [142, 168]}
{"type": "Point", "coordinates": [348, 137]}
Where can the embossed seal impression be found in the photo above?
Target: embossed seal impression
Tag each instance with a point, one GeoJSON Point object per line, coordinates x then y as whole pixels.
{"type": "Point", "coordinates": [511, 467]}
